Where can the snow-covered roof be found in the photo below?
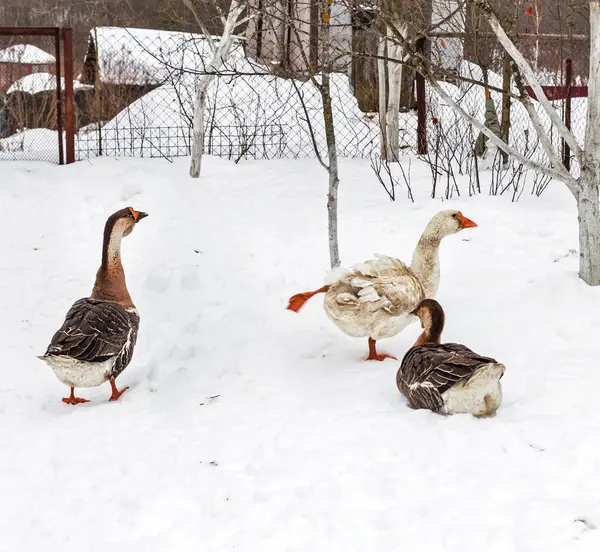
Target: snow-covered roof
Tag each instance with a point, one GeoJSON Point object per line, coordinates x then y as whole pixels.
{"type": "Point", "coordinates": [26, 53]}
{"type": "Point", "coordinates": [260, 115]}
{"type": "Point", "coordinates": [39, 82]}
{"type": "Point", "coordinates": [127, 55]}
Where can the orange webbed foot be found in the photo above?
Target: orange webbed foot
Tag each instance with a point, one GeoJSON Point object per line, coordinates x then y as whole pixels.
{"type": "Point", "coordinates": [379, 356]}
{"type": "Point", "coordinates": [374, 355]}
{"type": "Point", "coordinates": [116, 394]}
{"type": "Point", "coordinates": [72, 399]}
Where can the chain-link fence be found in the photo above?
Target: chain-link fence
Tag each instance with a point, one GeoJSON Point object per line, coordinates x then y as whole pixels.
{"type": "Point", "coordinates": [135, 95]}
{"type": "Point", "coordinates": [560, 64]}
{"type": "Point", "coordinates": [260, 110]}
{"type": "Point", "coordinates": [253, 111]}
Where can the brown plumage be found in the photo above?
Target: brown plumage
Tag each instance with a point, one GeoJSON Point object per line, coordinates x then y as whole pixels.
{"type": "Point", "coordinates": [447, 378]}
{"type": "Point", "coordinates": [96, 331]}
{"type": "Point", "coordinates": [96, 340]}
{"type": "Point", "coordinates": [429, 370]}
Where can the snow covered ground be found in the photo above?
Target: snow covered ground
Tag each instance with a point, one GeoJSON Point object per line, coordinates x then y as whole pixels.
{"type": "Point", "coordinates": [250, 428]}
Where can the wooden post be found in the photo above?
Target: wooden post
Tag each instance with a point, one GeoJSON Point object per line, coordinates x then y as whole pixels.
{"type": "Point", "coordinates": [69, 95]}
{"type": "Point", "coordinates": [59, 114]}
{"type": "Point", "coordinates": [421, 105]}
{"type": "Point", "coordinates": [506, 75]}
{"type": "Point", "coordinates": [566, 150]}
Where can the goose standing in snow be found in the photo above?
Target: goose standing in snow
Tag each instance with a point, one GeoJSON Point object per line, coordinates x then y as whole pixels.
{"type": "Point", "coordinates": [447, 378]}
{"type": "Point", "coordinates": [376, 299]}
{"type": "Point", "coordinates": [96, 341]}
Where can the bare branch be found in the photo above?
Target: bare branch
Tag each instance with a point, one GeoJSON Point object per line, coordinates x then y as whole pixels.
{"type": "Point", "coordinates": [438, 73]}
{"type": "Point", "coordinates": [447, 18]}
{"type": "Point", "coordinates": [309, 124]}
{"type": "Point", "coordinates": [190, 6]}
{"type": "Point", "coordinates": [521, 62]}
{"type": "Point", "coordinates": [553, 157]}
{"type": "Point", "coordinates": [570, 181]}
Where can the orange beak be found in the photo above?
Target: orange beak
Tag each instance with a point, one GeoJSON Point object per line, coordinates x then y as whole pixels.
{"type": "Point", "coordinates": [137, 215]}
{"type": "Point", "coordinates": [465, 222]}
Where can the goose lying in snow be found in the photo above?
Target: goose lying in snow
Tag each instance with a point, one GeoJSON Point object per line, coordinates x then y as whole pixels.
{"type": "Point", "coordinates": [447, 378]}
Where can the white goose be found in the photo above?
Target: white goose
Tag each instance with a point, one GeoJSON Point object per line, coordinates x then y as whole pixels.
{"type": "Point", "coordinates": [376, 299]}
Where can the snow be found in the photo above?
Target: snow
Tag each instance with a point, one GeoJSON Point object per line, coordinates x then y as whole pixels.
{"type": "Point", "coordinates": [248, 427]}
{"type": "Point", "coordinates": [262, 117]}
{"type": "Point", "coordinates": [41, 82]}
{"type": "Point", "coordinates": [254, 116]}
{"type": "Point", "coordinates": [33, 144]}
{"type": "Point", "coordinates": [127, 55]}
{"type": "Point", "coordinates": [26, 53]}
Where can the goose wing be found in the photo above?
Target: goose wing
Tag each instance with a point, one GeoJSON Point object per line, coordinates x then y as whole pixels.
{"type": "Point", "coordinates": [429, 370]}
{"type": "Point", "coordinates": [381, 283]}
{"type": "Point", "coordinates": [95, 331]}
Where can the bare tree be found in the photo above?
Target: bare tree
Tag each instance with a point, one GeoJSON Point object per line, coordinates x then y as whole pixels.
{"type": "Point", "coordinates": [404, 16]}
{"type": "Point", "coordinates": [584, 188]}
{"type": "Point", "coordinates": [332, 165]}
{"type": "Point", "coordinates": [221, 53]}
{"type": "Point", "coordinates": [297, 41]}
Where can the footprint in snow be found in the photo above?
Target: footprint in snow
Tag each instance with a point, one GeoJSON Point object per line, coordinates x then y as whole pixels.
{"type": "Point", "coordinates": [190, 279]}
{"type": "Point", "coordinates": [129, 192]}
{"type": "Point", "coordinates": [570, 253]}
{"type": "Point", "coordinates": [158, 281]}
{"type": "Point", "coordinates": [589, 526]}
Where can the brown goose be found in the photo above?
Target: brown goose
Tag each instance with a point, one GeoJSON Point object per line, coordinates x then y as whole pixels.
{"type": "Point", "coordinates": [447, 378]}
{"type": "Point", "coordinates": [95, 343]}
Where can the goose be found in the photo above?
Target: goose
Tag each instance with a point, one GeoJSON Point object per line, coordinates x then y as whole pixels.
{"type": "Point", "coordinates": [96, 341]}
{"type": "Point", "coordinates": [375, 299]}
{"type": "Point", "coordinates": [448, 378]}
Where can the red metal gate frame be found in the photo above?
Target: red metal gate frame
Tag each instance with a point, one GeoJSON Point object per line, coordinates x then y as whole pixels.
{"type": "Point", "coordinates": [66, 35]}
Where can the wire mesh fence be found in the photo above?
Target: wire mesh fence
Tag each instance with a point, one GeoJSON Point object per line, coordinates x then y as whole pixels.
{"type": "Point", "coordinates": [467, 66]}
{"type": "Point", "coordinates": [253, 111]}
{"type": "Point", "coordinates": [263, 111]}
{"type": "Point", "coordinates": [136, 91]}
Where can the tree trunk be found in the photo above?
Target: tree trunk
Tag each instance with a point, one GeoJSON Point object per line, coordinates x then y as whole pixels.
{"type": "Point", "coordinates": [392, 122]}
{"type": "Point", "coordinates": [332, 195]}
{"type": "Point", "coordinates": [382, 85]}
{"type": "Point", "coordinates": [588, 209]}
{"type": "Point", "coordinates": [395, 51]}
{"type": "Point", "coordinates": [198, 129]}
{"type": "Point", "coordinates": [203, 82]}
{"type": "Point", "coordinates": [332, 166]}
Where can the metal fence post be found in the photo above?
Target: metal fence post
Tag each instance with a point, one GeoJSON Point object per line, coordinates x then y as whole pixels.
{"type": "Point", "coordinates": [69, 95]}
{"type": "Point", "coordinates": [566, 150]}
{"type": "Point", "coordinates": [59, 116]}
{"type": "Point", "coordinates": [421, 105]}
{"type": "Point", "coordinates": [506, 77]}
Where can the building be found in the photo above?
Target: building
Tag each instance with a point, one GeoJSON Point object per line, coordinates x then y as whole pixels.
{"type": "Point", "coordinates": [123, 64]}
{"type": "Point", "coordinates": [20, 60]}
